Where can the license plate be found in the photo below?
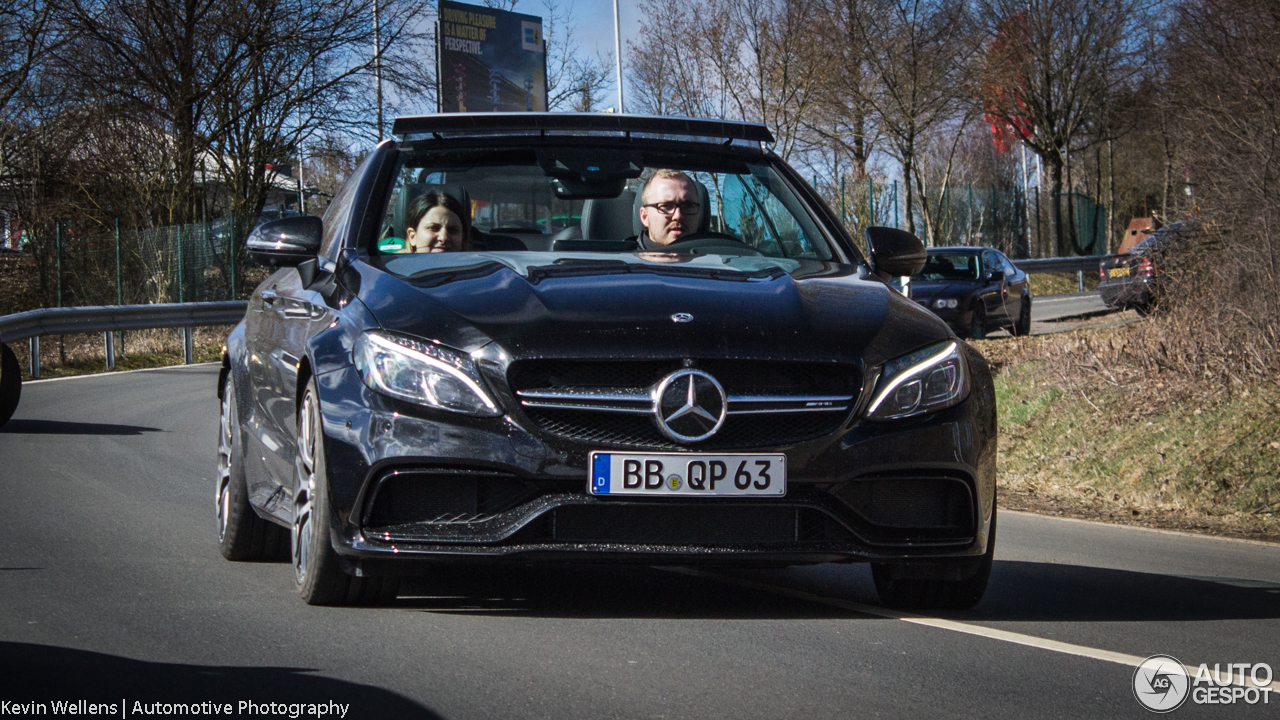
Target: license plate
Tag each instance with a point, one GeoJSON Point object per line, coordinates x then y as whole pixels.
{"type": "Point", "coordinates": [687, 474]}
{"type": "Point", "coordinates": [1118, 272]}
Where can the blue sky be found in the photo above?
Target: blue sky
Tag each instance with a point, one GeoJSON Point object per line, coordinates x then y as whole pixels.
{"type": "Point", "coordinates": [593, 29]}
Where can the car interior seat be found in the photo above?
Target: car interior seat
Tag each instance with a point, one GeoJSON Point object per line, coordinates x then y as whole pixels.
{"type": "Point", "coordinates": [608, 218]}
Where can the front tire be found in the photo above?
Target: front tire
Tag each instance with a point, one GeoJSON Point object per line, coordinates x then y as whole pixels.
{"type": "Point", "coordinates": [1023, 326]}
{"type": "Point", "coordinates": [978, 325]}
{"type": "Point", "coordinates": [917, 593]}
{"type": "Point", "coordinates": [242, 535]}
{"type": "Point", "coordinates": [317, 570]}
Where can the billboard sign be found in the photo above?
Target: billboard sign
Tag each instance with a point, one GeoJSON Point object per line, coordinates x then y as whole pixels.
{"type": "Point", "coordinates": [490, 60]}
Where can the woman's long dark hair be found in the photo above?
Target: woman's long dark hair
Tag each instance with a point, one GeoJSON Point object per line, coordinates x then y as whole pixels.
{"type": "Point", "coordinates": [422, 204]}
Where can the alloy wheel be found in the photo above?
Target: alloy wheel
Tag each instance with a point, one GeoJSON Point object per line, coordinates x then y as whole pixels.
{"type": "Point", "coordinates": [306, 488]}
{"type": "Point", "coordinates": [222, 497]}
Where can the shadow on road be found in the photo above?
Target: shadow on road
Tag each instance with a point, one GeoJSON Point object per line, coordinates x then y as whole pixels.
{"type": "Point", "coordinates": [60, 427]}
{"type": "Point", "coordinates": [1073, 593]}
{"type": "Point", "coordinates": [1018, 591]}
{"type": "Point", "coordinates": [625, 591]}
{"type": "Point", "coordinates": [43, 673]}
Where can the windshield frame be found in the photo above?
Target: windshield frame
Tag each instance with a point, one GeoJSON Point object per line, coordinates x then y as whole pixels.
{"type": "Point", "coordinates": [807, 207]}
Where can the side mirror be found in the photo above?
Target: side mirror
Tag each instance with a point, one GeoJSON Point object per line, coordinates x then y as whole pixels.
{"type": "Point", "coordinates": [997, 275]}
{"type": "Point", "coordinates": [894, 252]}
{"type": "Point", "coordinates": [286, 242]}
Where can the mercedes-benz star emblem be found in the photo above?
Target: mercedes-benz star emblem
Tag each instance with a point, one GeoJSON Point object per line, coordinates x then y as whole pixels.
{"type": "Point", "coordinates": [689, 406]}
{"type": "Point", "coordinates": [682, 318]}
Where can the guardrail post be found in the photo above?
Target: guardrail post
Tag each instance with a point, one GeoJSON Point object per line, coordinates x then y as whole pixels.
{"type": "Point", "coordinates": [188, 351]}
{"type": "Point", "coordinates": [110, 340]}
{"type": "Point", "coordinates": [34, 344]}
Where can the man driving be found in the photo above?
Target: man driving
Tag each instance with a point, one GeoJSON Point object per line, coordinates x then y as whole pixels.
{"type": "Point", "coordinates": [669, 209]}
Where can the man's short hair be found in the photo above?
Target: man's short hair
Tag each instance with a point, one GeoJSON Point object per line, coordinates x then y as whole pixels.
{"type": "Point", "coordinates": [668, 174]}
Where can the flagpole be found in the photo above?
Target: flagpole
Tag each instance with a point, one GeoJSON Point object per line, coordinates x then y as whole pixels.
{"type": "Point", "coordinates": [617, 49]}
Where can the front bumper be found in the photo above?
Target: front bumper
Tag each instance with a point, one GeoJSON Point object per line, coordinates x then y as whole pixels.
{"type": "Point", "coordinates": [410, 484]}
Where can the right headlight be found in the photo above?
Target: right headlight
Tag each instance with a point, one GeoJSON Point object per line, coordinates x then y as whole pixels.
{"type": "Point", "coordinates": [424, 373]}
{"type": "Point", "coordinates": [924, 381]}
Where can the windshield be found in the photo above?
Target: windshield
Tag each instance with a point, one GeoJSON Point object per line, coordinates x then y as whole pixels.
{"type": "Point", "coordinates": [951, 266]}
{"type": "Point", "coordinates": [527, 201]}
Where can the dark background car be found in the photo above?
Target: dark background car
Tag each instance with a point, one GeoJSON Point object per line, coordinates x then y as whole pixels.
{"type": "Point", "coordinates": [1132, 280]}
{"type": "Point", "coordinates": [753, 394]}
{"type": "Point", "coordinates": [975, 290]}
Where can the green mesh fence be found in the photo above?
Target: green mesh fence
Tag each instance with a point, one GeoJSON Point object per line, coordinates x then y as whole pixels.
{"type": "Point", "coordinates": [182, 263]}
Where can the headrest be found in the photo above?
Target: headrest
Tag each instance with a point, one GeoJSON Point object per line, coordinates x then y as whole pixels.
{"type": "Point", "coordinates": [411, 192]}
{"type": "Point", "coordinates": [704, 219]}
{"type": "Point", "coordinates": [608, 219]}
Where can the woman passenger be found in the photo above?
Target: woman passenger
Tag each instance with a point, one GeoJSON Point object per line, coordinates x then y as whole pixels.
{"type": "Point", "coordinates": [437, 222]}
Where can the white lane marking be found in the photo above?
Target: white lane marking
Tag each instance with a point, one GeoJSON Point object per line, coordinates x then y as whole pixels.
{"type": "Point", "coordinates": [941, 623]}
{"type": "Point", "coordinates": [114, 373]}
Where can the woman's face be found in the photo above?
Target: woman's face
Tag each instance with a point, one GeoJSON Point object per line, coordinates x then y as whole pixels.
{"type": "Point", "coordinates": [439, 231]}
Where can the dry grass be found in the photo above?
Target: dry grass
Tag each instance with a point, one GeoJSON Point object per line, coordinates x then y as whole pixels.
{"type": "Point", "coordinates": [1090, 430]}
{"type": "Point", "coordinates": [84, 353]}
{"type": "Point", "coordinates": [1062, 283]}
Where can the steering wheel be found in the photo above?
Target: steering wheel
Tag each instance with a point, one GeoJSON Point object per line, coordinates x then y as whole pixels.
{"type": "Point", "coordinates": [708, 239]}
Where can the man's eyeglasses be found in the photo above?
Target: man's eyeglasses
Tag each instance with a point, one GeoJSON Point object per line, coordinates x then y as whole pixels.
{"type": "Point", "coordinates": [669, 208]}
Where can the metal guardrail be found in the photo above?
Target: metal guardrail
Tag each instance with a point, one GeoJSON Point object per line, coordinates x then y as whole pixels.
{"type": "Point", "coordinates": [107, 319]}
{"type": "Point", "coordinates": [1060, 264]}
{"type": "Point", "coordinates": [114, 318]}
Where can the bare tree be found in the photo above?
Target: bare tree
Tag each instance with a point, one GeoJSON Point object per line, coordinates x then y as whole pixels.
{"type": "Point", "coordinates": [304, 71]}
{"type": "Point", "coordinates": [26, 37]}
{"type": "Point", "coordinates": [1053, 68]}
{"type": "Point", "coordinates": [164, 57]}
{"type": "Point", "coordinates": [918, 53]}
{"type": "Point", "coordinates": [845, 119]}
{"type": "Point", "coordinates": [670, 72]}
{"type": "Point", "coordinates": [744, 59]}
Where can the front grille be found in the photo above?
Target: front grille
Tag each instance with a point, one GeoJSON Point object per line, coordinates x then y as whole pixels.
{"type": "Point", "coordinates": [739, 432]}
{"type": "Point", "coordinates": [443, 495]}
{"type": "Point", "coordinates": [672, 525]}
{"type": "Point", "coordinates": [606, 403]}
{"type": "Point", "coordinates": [737, 376]}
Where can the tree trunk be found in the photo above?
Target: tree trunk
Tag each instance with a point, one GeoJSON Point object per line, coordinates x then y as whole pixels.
{"type": "Point", "coordinates": [1111, 194]}
{"type": "Point", "coordinates": [908, 194]}
{"type": "Point", "coordinates": [1060, 246]}
{"type": "Point", "coordinates": [1073, 237]}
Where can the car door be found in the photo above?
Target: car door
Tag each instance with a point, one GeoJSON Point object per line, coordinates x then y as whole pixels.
{"type": "Point", "coordinates": [995, 291]}
{"type": "Point", "coordinates": [262, 328]}
{"type": "Point", "coordinates": [1017, 285]}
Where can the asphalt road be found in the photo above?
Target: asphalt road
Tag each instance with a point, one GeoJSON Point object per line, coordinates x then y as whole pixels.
{"type": "Point", "coordinates": [1056, 307]}
{"type": "Point", "coordinates": [112, 591]}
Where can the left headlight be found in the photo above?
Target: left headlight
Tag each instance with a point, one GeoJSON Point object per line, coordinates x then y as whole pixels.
{"type": "Point", "coordinates": [422, 373]}
{"type": "Point", "coordinates": [924, 381]}
{"type": "Point", "coordinates": [945, 304]}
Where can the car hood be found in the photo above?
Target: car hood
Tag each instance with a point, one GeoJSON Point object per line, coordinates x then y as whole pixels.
{"type": "Point", "coordinates": [593, 305]}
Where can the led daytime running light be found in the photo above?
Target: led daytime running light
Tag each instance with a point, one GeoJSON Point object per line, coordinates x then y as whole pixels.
{"type": "Point", "coordinates": [910, 373]}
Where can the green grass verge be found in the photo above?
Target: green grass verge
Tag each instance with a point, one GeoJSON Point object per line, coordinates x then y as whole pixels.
{"type": "Point", "coordinates": [1215, 458]}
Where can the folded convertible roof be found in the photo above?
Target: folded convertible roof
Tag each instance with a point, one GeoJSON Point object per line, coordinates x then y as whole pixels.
{"type": "Point", "coordinates": [440, 125]}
